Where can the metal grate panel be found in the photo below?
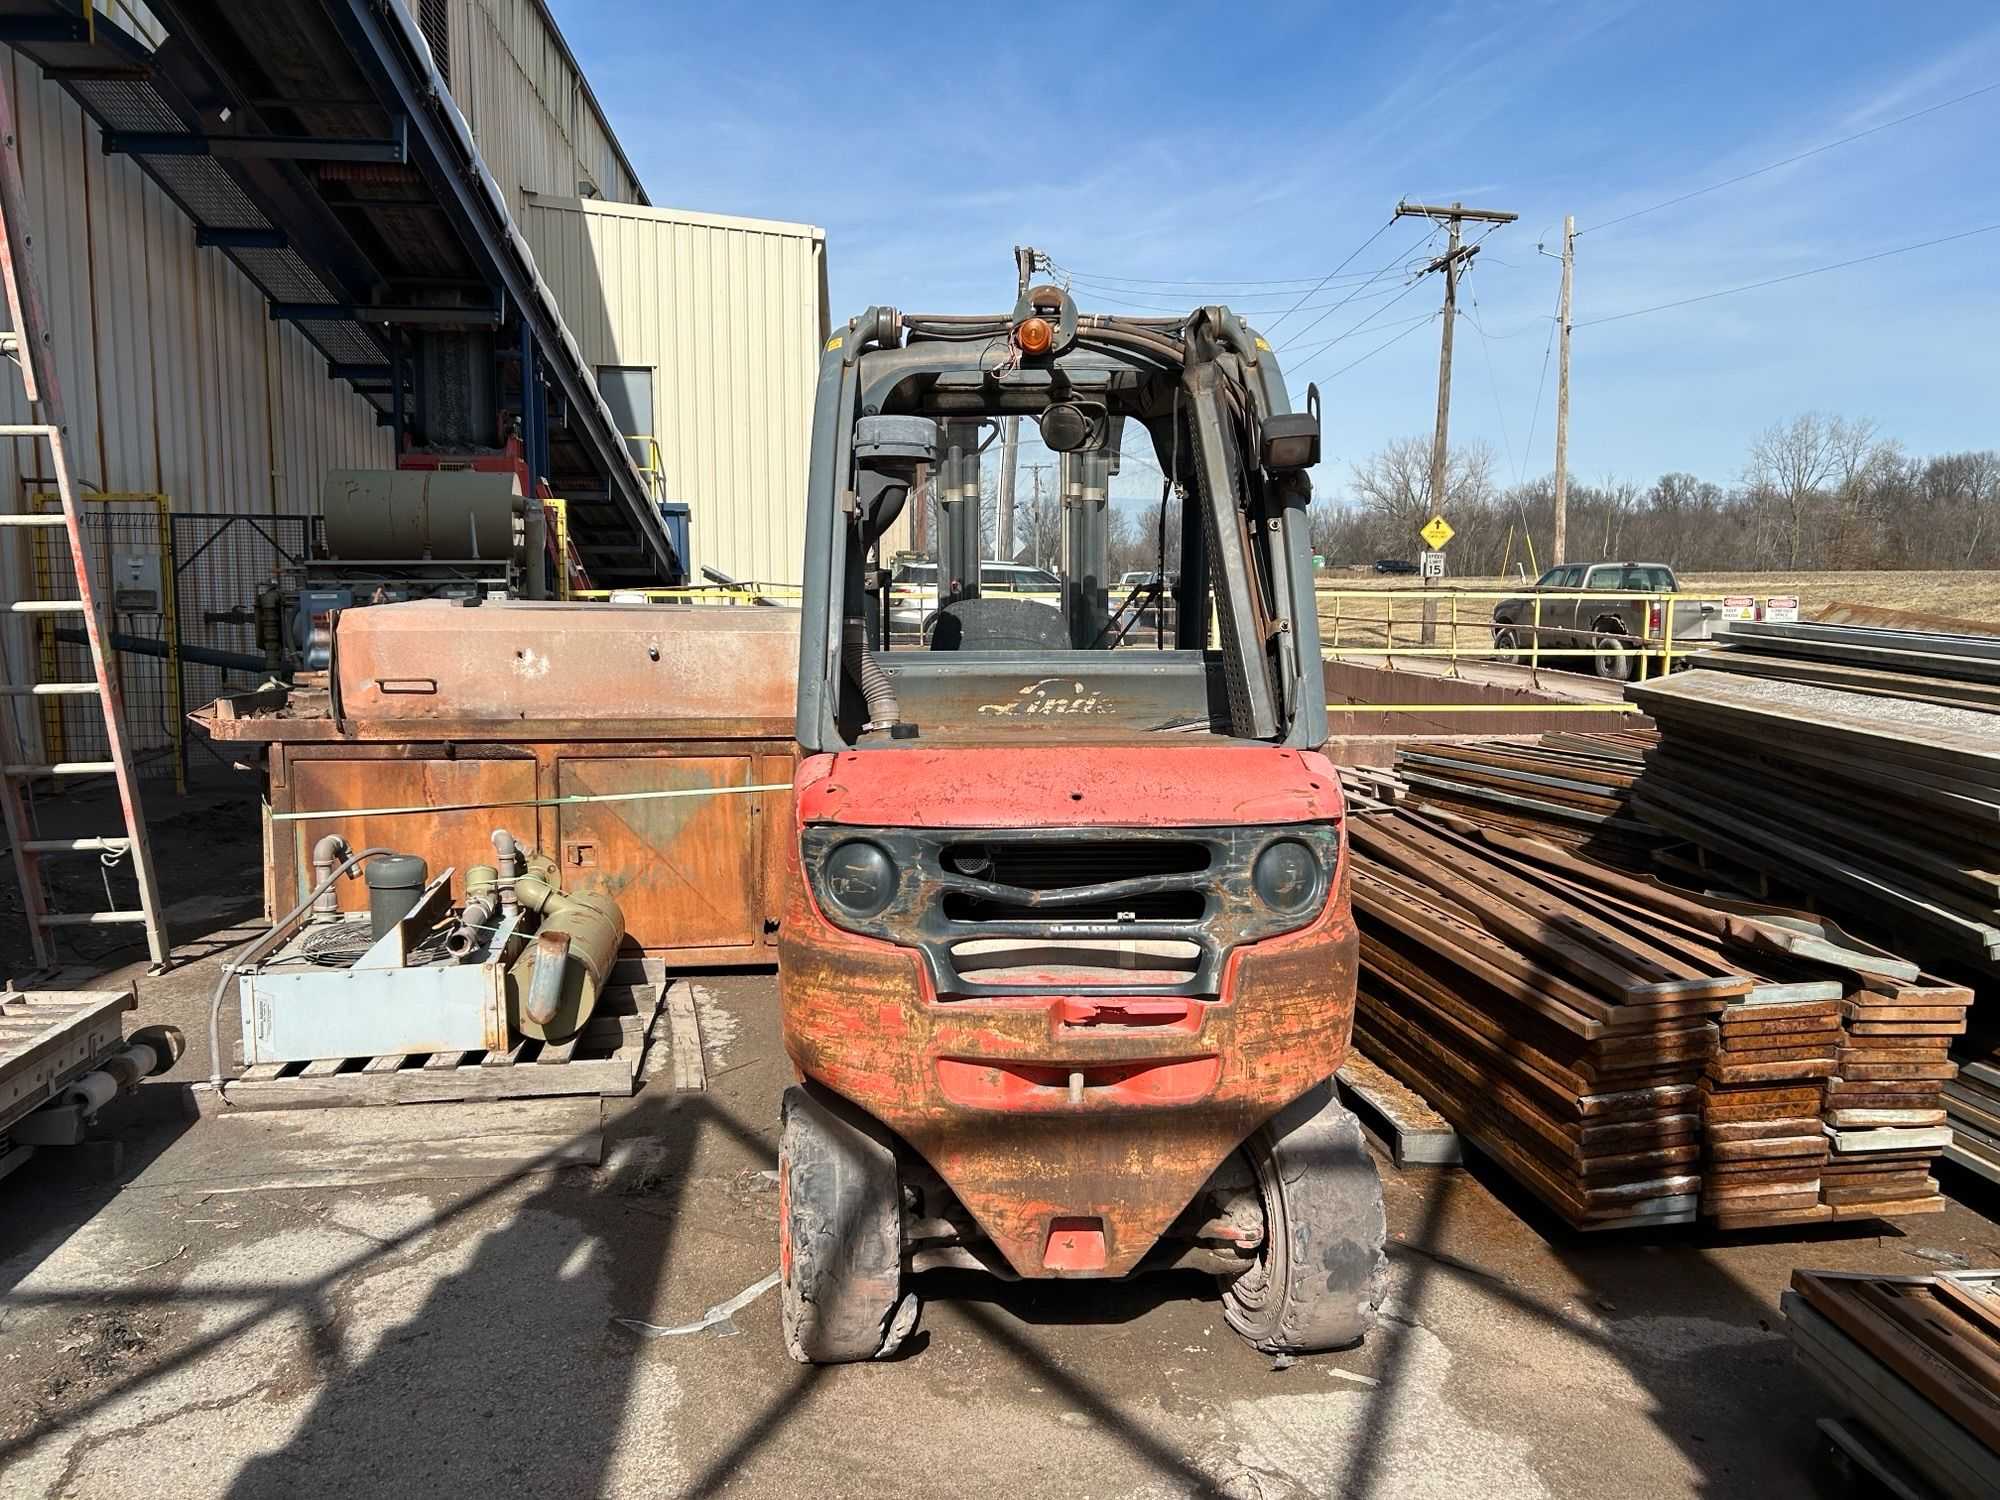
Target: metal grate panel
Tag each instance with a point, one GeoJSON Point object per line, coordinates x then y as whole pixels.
{"type": "Point", "coordinates": [284, 274]}
{"type": "Point", "coordinates": [127, 104]}
{"type": "Point", "coordinates": [209, 192]}
{"type": "Point", "coordinates": [345, 343]}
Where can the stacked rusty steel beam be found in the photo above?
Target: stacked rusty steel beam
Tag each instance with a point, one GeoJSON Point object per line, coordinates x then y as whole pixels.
{"type": "Point", "coordinates": [1553, 1034]}
{"type": "Point", "coordinates": [1763, 1093]}
{"type": "Point", "coordinates": [1914, 1361]}
{"type": "Point", "coordinates": [1881, 806]}
{"type": "Point", "coordinates": [1886, 1121]}
{"type": "Point", "coordinates": [1637, 1054]}
{"type": "Point", "coordinates": [1571, 788]}
{"type": "Point", "coordinates": [1859, 769]}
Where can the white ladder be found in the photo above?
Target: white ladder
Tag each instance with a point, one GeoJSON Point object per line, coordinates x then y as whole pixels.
{"type": "Point", "coordinates": [27, 343]}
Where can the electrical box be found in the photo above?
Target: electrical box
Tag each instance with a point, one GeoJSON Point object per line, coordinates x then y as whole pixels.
{"type": "Point", "coordinates": [135, 582]}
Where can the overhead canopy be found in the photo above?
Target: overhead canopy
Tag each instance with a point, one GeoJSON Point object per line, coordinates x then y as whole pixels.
{"type": "Point", "coordinates": [314, 143]}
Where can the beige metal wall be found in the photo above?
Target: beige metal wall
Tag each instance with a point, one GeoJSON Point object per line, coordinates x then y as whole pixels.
{"type": "Point", "coordinates": [175, 379]}
{"type": "Point", "coordinates": [731, 315]}
{"type": "Point", "coordinates": [530, 109]}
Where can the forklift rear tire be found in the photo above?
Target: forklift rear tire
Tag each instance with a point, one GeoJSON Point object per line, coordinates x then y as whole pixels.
{"type": "Point", "coordinates": [1320, 1272]}
{"type": "Point", "coordinates": [840, 1234]}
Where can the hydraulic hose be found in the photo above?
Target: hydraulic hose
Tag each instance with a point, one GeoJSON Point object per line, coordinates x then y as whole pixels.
{"type": "Point", "coordinates": [256, 948]}
{"type": "Point", "coordinates": [876, 689]}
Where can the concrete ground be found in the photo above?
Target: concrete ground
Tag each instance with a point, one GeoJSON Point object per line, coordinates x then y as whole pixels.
{"type": "Point", "coordinates": [462, 1335]}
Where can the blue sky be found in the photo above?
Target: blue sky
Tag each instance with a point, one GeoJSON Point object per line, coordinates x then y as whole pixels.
{"type": "Point", "coordinates": [1241, 144]}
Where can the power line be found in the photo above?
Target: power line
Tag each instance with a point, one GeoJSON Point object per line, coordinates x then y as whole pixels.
{"type": "Point", "coordinates": [1859, 260]}
{"type": "Point", "coordinates": [1801, 156]}
{"type": "Point", "coordinates": [1341, 338]}
{"type": "Point", "coordinates": [1088, 297]}
{"type": "Point", "coordinates": [1427, 317]}
{"type": "Point", "coordinates": [1337, 270]}
{"type": "Point", "coordinates": [1322, 347]}
{"type": "Point", "coordinates": [1292, 282]}
{"type": "Point", "coordinates": [1493, 381]}
{"type": "Point", "coordinates": [1398, 261]}
{"type": "Point", "coordinates": [1541, 385]}
{"type": "Point", "coordinates": [1238, 290]}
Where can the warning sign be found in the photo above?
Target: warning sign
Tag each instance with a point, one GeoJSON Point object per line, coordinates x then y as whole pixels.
{"type": "Point", "coordinates": [1436, 532]}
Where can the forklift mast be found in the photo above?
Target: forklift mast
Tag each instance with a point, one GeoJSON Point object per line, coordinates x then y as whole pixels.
{"type": "Point", "coordinates": [909, 404]}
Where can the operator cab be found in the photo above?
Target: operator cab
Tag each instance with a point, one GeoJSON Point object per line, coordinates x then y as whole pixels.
{"type": "Point", "coordinates": [1215, 632]}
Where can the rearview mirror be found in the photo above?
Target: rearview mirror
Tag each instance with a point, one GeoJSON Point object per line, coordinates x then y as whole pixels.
{"type": "Point", "coordinates": [1070, 425]}
{"type": "Point", "coordinates": [1290, 442]}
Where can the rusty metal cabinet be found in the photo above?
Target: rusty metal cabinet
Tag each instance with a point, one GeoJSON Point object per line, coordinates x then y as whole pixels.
{"type": "Point", "coordinates": [686, 865]}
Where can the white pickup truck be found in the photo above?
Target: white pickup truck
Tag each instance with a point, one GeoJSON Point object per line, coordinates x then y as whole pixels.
{"type": "Point", "coordinates": [1581, 608]}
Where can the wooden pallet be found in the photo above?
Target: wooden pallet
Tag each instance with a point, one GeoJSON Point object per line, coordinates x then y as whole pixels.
{"type": "Point", "coordinates": [604, 1059]}
{"type": "Point", "coordinates": [48, 1037]}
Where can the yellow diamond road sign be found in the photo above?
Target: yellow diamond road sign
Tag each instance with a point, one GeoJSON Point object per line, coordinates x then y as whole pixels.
{"type": "Point", "coordinates": [1437, 531]}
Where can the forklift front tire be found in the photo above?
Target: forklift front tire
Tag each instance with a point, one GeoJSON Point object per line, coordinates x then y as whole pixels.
{"type": "Point", "coordinates": [840, 1250]}
{"type": "Point", "coordinates": [1320, 1272]}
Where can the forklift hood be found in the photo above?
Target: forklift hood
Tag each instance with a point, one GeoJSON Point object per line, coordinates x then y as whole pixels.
{"type": "Point", "coordinates": [1146, 785]}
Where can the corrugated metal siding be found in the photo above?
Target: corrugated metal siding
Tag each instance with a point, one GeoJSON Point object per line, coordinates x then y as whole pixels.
{"type": "Point", "coordinates": [731, 315]}
{"type": "Point", "coordinates": [527, 107]}
{"type": "Point", "coordinates": [174, 377]}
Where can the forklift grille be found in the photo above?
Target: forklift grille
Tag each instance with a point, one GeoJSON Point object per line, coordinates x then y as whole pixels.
{"type": "Point", "coordinates": [1154, 911]}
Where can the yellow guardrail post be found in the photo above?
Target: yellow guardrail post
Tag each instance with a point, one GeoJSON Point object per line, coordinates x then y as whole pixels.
{"type": "Point", "coordinates": [1667, 640]}
{"type": "Point", "coordinates": [1454, 635]}
{"type": "Point", "coordinates": [1535, 641]}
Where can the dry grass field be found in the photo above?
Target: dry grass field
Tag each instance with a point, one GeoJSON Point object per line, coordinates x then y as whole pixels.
{"type": "Point", "coordinates": [1369, 623]}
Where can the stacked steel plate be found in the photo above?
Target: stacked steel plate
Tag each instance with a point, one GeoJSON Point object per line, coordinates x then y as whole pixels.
{"type": "Point", "coordinates": [1559, 1040]}
{"type": "Point", "coordinates": [1914, 1363]}
{"type": "Point", "coordinates": [1861, 767]}
{"type": "Point", "coordinates": [1633, 1053]}
{"type": "Point", "coordinates": [1762, 1097]}
{"type": "Point", "coordinates": [1569, 788]}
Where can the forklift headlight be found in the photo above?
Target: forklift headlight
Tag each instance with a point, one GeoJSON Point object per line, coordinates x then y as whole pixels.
{"type": "Point", "coordinates": [858, 877]}
{"type": "Point", "coordinates": [1286, 876]}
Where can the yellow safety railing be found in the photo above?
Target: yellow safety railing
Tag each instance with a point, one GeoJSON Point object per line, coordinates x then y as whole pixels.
{"type": "Point", "coordinates": [558, 518]}
{"type": "Point", "coordinates": [55, 577]}
{"type": "Point", "coordinates": [1386, 622]}
{"type": "Point", "coordinates": [1445, 620]}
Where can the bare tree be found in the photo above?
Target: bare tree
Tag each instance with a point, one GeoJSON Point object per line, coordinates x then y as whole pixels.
{"type": "Point", "coordinates": [1393, 486]}
{"type": "Point", "coordinates": [1792, 464]}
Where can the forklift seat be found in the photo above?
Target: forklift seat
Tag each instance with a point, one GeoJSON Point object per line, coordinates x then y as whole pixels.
{"type": "Point", "coordinates": [997, 623]}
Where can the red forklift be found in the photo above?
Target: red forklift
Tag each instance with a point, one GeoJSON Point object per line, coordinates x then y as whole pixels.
{"type": "Point", "coordinates": [1067, 962]}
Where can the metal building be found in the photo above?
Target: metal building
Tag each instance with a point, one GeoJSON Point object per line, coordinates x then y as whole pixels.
{"type": "Point", "coordinates": [248, 219]}
{"type": "Point", "coordinates": [705, 333]}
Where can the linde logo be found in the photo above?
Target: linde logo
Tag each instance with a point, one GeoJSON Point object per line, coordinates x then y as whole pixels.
{"type": "Point", "coordinates": [1051, 695]}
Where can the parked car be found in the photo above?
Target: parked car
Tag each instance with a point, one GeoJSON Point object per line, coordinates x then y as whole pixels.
{"type": "Point", "coordinates": [1577, 614]}
{"type": "Point", "coordinates": [1394, 565]}
{"type": "Point", "coordinates": [914, 588]}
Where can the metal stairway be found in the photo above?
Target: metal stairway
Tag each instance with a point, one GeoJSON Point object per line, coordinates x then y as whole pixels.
{"type": "Point", "coordinates": [27, 343]}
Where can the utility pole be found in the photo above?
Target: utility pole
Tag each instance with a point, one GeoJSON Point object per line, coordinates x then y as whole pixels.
{"type": "Point", "coordinates": [1455, 256]}
{"type": "Point", "coordinates": [1035, 515]}
{"type": "Point", "coordinates": [1003, 525]}
{"type": "Point", "coordinates": [1026, 259]}
{"type": "Point", "coordinates": [1556, 553]}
